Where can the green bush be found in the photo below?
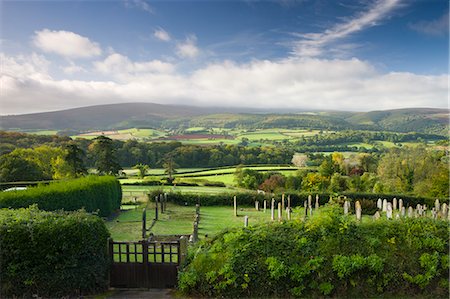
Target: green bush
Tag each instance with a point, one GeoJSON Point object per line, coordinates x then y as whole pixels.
{"type": "Point", "coordinates": [329, 255]}
{"type": "Point", "coordinates": [102, 193]}
{"type": "Point", "coordinates": [52, 254]}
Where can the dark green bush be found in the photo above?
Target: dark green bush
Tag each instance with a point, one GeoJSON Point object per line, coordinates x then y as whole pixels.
{"type": "Point", "coordinates": [52, 254]}
{"type": "Point", "coordinates": [102, 193]}
{"type": "Point", "coordinates": [328, 255]}
{"type": "Point", "coordinates": [214, 184]}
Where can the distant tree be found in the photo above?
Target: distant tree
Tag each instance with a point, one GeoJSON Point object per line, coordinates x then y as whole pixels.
{"type": "Point", "coordinates": [273, 183]}
{"type": "Point", "coordinates": [170, 166]}
{"type": "Point", "coordinates": [104, 155]}
{"type": "Point", "coordinates": [299, 160]}
{"type": "Point", "coordinates": [142, 169]}
{"type": "Point", "coordinates": [14, 168]}
{"type": "Point", "coordinates": [75, 159]}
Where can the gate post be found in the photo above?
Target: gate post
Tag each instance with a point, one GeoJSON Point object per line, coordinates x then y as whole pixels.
{"type": "Point", "coordinates": [145, 262]}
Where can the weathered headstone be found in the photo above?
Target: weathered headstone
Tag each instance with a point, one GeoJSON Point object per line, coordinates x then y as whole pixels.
{"type": "Point", "coordinates": [400, 204]}
{"type": "Point", "coordinates": [305, 205]}
{"type": "Point", "coordinates": [437, 205]}
{"type": "Point", "coordinates": [289, 202]}
{"type": "Point", "coordinates": [377, 215]}
{"type": "Point", "coordinates": [265, 205]}
{"type": "Point", "coordinates": [419, 210]}
{"type": "Point", "coordinates": [235, 206]}
{"type": "Point", "coordinates": [280, 209]}
{"type": "Point", "coordinates": [346, 206]}
{"type": "Point", "coordinates": [272, 210]}
{"type": "Point", "coordinates": [384, 205]}
{"type": "Point", "coordinates": [316, 206]}
{"type": "Point", "coordinates": [257, 205]}
{"type": "Point", "coordinates": [379, 204]}
{"type": "Point", "coordinates": [288, 213]}
{"type": "Point", "coordinates": [310, 211]}
{"type": "Point", "coordinates": [309, 200]}
{"type": "Point", "coordinates": [433, 213]}
{"type": "Point", "coordinates": [389, 211]}
{"type": "Point", "coordinates": [444, 210]}
{"type": "Point", "coordinates": [282, 201]}
{"type": "Point", "coordinates": [394, 204]}
{"type": "Point", "coordinates": [358, 210]}
{"type": "Point", "coordinates": [245, 221]}
{"type": "Point", "coordinates": [402, 211]}
{"type": "Point", "coordinates": [410, 212]}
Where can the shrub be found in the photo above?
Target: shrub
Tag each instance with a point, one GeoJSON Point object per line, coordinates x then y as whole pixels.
{"type": "Point", "coordinates": [329, 255]}
{"type": "Point", "coordinates": [52, 254]}
{"type": "Point", "coordinates": [102, 193]}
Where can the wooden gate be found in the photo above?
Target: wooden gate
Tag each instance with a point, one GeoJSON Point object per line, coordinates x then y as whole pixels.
{"type": "Point", "coordinates": [144, 264]}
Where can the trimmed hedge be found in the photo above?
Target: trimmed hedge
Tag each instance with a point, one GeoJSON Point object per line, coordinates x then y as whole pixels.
{"type": "Point", "coordinates": [102, 193]}
{"type": "Point", "coordinates": [52, 254]}
{"type": "Point", "coordinates": [368, 200]}
{"type": "Point", "coordinates": [329, 255]}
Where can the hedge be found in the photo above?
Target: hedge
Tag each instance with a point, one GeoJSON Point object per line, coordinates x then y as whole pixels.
{"type": "Point", "coordinates": [368, 200]}
{"type": "Point", "coordinates": [52, 254]}
{"type": "Point", "coordinates": [102, 193]}
{"type": "Point", "coordinates": [329, 255]}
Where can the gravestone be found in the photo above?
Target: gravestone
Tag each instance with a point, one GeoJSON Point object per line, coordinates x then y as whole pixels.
{"type": "Point", "coordinates": [279, 211]}
{"type": "Point", "coordinates": [394, 204]}
{"type": "Point", "coordinates": [377, 215]}
{"type": "Point", "coordinates": [282, 201]}
{"type": "Point", "coordinates": [358, 210]}
{"type": "Point", "coordinates": [288, 213]}
{"type": "Point", "coordinates": [245, 221]}
{"type": "Point", "coordinates": [310, 211]}
{"type": "Point", "coordinates": [410, 212]}
{"type": "Point", "coordinates": [309, 200]}
{"type": "Point", "coordinates": [305, 205]}
{"type": "Point", "coordinates": [444, 210]}
{"type": "Point", "coordinates": [235, 207]}
{"type": "Point", "coordinates": [419, 210]}
{"type": "Point", "coordinates": [257, 205]}
{"type": "Point", "coordinates": [272, 210]}
{"type": "Point", "coordinates": [346, 206]}
{"type": "Point", "coordinates": [433, 213]}
{"type": "Point", "coordinates": [437, 205]}
{"type": "Point", "coordinates": [400, 204]}
{"type": "Point", "coordinates": [379, 204]}
{"type": "Point", "coordinates": [317, 202]}
{"type": "Point", "coordinates": [289, 201]}
{"type": "Point", "coordinates": [384, 205]}
{"type": "Point", "coordinates": [389, 211]}
{"type": "Point", "coordinates": [402, 211]}
{"type": "Point", "coordinates": [265, 205]}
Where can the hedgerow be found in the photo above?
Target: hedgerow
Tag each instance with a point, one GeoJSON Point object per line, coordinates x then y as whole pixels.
{"type": "Point", "coordinates": [52, 254]}
{"type": "Point", "coordinates": [93, 193]}
{"type": "Point", "coordinates": [328, 255]}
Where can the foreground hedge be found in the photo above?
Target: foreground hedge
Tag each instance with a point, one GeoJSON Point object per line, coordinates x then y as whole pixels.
{"type": "Point", "coordinates": [368, 200]}
{"type": "Point", "coordinates": [329, 255]}
{"type": "Point", "coordinates": [102, 193]}
{"type": "Point", "coordinates": [52, 254]}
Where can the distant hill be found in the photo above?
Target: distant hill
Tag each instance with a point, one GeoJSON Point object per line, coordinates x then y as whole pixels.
{"type": "Point", "coordinates": [131, 115]}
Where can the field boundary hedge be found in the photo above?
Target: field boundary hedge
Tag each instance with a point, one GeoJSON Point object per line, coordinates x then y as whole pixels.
{"type": "Point", "coordinates": [93, 193]}
{"type": "Point", "coordinates": [52, 254]}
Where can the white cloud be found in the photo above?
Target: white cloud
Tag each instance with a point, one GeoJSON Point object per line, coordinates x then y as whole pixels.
{"type": "Point", "coordinates": [162, 34]}
{"type": "Point", "coordinates": [342, 84]}
{"type": "Point", "coordinates": [313, 44]}
{"type": "Point", "coordinates": [435, 27]}
{"type": "Point", "coordinates": [140, 4]}
{"type": "Point", "coordinates": [66, 43]}
{"type": "Point", "coordinates": [188, 48]}
{"type": "Point", "coordinates": [120, 66]}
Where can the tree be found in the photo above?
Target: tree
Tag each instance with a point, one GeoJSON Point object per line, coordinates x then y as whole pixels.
{"type": "Point", "coordinates": [104, 155]}
{"type": "Point", "coordinates": [299, 160]}
{"type": "Point", "coordinates": [14, 168]}
{"type": "Point", "coordinates": [169, 168]}
{"type": "Point", "coordinates": [75, 159]}
{"type": "Point", "coordinates": [142, 169]}
{"type": "Point", "coordinates": [274, 182]}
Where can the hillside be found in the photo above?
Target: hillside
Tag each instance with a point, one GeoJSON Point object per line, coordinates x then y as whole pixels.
{"type": "Point", "coordinates": [149, 115]}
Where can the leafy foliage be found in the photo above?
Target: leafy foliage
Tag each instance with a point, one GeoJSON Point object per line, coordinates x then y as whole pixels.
{"type": "Point", "coordinates": [93, 193]}
{"type": "Point", "coordinates": [52, 254]}
{"type": "Point", "coordinates": [330, 255]}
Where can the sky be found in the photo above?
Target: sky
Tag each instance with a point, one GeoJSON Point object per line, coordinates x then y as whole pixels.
{"type": "Point", "coordinates": [350, 55]}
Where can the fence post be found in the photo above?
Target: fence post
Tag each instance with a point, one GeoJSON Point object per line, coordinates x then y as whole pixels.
{"type": "Point", "coordinates": [144, 223]}
{"type": "Point", "coordinates": [156, 208]}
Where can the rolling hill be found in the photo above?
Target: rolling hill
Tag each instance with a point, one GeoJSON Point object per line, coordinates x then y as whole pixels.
{"type": "Point", "coordinates": [149, 115]}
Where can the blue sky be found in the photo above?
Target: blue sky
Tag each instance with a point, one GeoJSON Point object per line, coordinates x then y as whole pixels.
{"type": "Point", "coordinates": [306, 54]}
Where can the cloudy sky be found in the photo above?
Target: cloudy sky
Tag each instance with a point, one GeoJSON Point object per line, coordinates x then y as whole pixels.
{"type": "Point", "coordinates": [354, 55]}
